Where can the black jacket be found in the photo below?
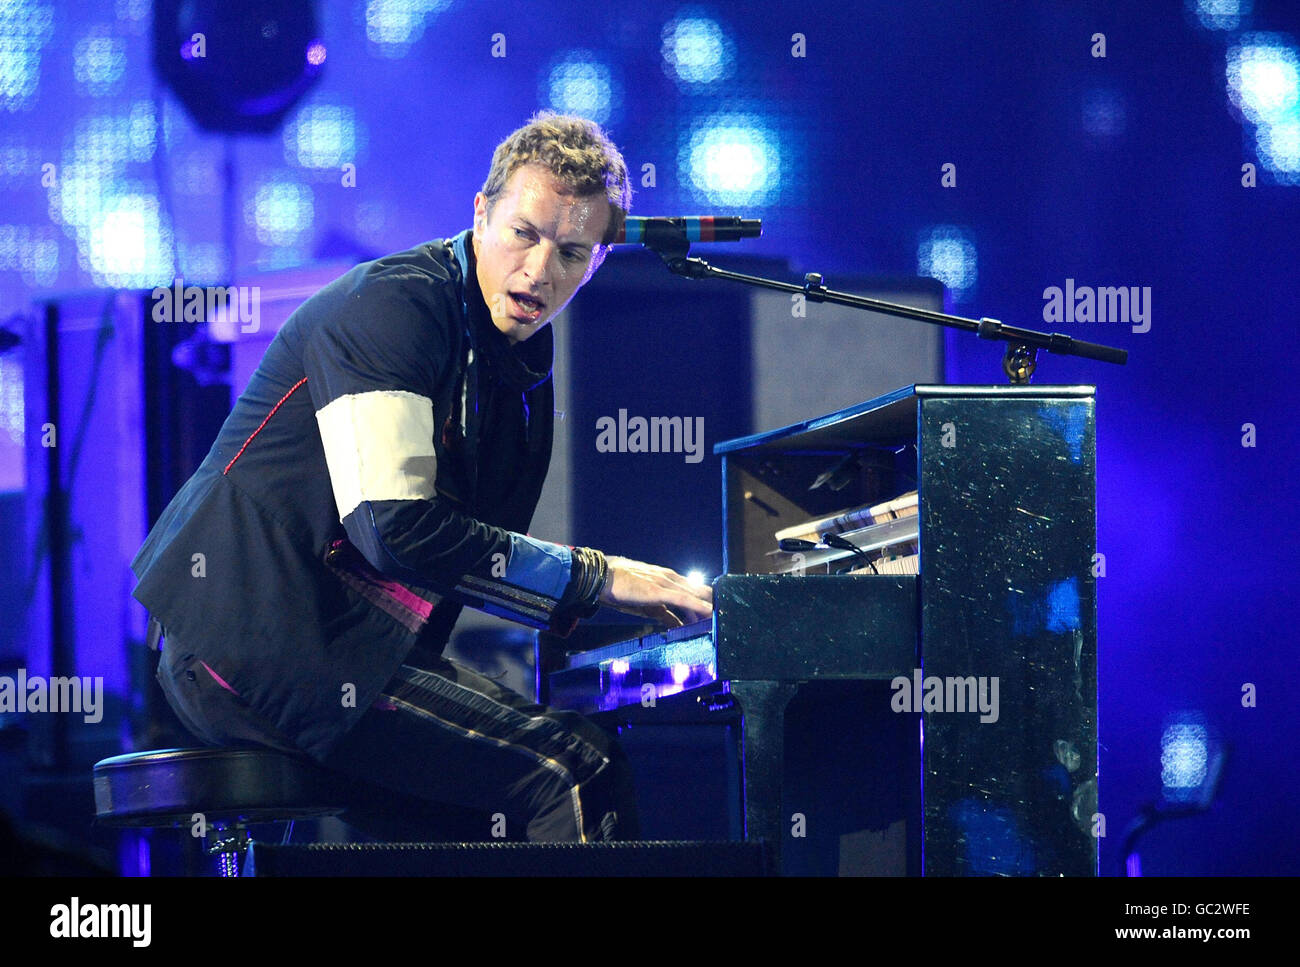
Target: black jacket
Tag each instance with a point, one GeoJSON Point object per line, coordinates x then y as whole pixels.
{"type": "Point", "coordinates": [377, 474]}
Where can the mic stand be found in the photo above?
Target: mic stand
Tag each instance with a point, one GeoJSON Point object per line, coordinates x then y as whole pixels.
{"type": "Point", "coordinates": [1019, 361]}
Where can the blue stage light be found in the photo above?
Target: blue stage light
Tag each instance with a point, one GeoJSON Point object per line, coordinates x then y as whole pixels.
{"type": "Point", "coordinates": [1220, 14]}
{"type": "Point", "coordinates": [78, 193]}
{"type": "Point", "coordinates": [99, 62]}
{"type": "Point", "coordinates": [394, 23]}
{"type": "Point", "coordinates": [281, 212]}
{"type": "Point", "coordinates": [1184, 757]}
{"type": "Point", "coordinates": [142, 130]}
{"type": "Point", "coordinates": [203, 263]}
{"type": "Point", "coordinates": [1264, 77]}
{"type": "Point", "coordinates": [1103, 113]}
{"type": "Point", "coordinates": [321, 136]}
{"type": "Point", "coordinates": [32, 252]}
{"type": "Point", "coordinates": [94, 163]}
{"type": "Point", "coordinates": [372, 219]}
{"type": "Point", "coordinates": [732, 160]}
{"type": "Point", "coordinates": [696, 50]}
{"type": "Point", "coordinates": [18, 160]}
{"type": "Point", "coordinates": [197, 173]}
{"type": "Point", "coordinates": [947, 254]}
{"type": "Point", "coordinates": [1278, 144]}
{"type": "Point", "coordinates": [126, 243]}
{"type": "Point", "coordinates": [580, 84]}
{"type": "Point", "coordinates": [38, 264]}
{"type": "Point", "coordinates": [104, 141]}
{"type": "Point", "coordinates": [25, 28]}
{"type": "Point", "coordinates": [282, 257]}
{"type": "Point", "coordinates": [11, 416]}
{"type": "Point", "coordinates": [133, 14]}
{"type": "Point", "coordinates": [392, 26]}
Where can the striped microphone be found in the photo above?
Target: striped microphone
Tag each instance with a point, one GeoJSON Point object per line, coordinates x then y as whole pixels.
{"type": "Point", "coordinates": [693, 228]}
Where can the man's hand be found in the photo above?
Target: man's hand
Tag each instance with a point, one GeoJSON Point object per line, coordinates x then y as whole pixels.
{"type": "Point", "coordinates": [658, 593]}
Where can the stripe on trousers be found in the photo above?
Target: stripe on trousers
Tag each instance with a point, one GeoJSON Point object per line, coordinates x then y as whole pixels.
{"type": "Point", "coordinates": [516, 721]}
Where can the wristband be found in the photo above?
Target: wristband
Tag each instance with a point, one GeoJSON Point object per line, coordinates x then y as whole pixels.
{"type": "Point", "coordinates": [582, 597]}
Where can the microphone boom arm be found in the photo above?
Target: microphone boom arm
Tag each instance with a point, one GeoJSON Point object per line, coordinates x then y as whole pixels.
{"type": "Point", "coordinates": [1023, 345]}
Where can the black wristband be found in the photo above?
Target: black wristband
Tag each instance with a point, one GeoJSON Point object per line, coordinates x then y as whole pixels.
{"type": "Point", "coordinates": [582, 597]}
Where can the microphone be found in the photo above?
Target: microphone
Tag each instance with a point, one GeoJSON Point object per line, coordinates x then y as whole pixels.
{"type": "Point", "coordinates": [691, 228]}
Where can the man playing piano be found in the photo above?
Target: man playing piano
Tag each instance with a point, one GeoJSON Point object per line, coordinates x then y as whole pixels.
{"type": "Point", "coordinates": [377, 475]}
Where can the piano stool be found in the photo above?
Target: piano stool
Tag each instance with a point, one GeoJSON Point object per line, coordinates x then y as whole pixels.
{"type": "Point", "coordinates": [234, 788]}
{"type": "Point", "coordinates": [229, 788]}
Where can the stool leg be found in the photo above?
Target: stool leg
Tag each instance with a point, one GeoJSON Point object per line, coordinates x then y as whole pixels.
{"type": "Point", "coordinates": [228, 846]}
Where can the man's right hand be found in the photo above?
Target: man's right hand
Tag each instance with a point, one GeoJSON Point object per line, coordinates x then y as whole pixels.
{"type": "Point", "coordinates": [654, 592]}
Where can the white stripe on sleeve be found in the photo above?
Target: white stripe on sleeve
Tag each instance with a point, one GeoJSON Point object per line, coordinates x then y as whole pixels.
{"type": "Point", "coordinates": [379, 446]}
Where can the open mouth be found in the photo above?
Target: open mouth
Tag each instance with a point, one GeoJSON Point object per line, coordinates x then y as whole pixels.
{"type": "Point", "coordinates": [526, 306]}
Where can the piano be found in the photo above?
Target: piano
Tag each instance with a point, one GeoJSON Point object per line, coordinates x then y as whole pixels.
{"type": "Point", "coordinates": [1003, 608]}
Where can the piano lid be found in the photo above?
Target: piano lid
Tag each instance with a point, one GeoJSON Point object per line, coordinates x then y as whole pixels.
{"type": "Point", "coordinates": [891, 415]}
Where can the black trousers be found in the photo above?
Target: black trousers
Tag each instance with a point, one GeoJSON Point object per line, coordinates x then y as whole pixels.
{"type": "Point", "coordinates": [441, 733]}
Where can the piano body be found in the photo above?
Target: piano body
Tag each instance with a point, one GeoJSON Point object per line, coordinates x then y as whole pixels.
{"type": "Point", "coordinates": [982, 667]}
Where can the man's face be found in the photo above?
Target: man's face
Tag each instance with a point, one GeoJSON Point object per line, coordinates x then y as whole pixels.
{"type": "Point", "coordinates": [539, 245]}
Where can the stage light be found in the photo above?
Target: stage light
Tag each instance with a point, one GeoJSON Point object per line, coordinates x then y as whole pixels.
{"type": "Point", "coordinates": [580, 84]}
{"type": "Point", "coordinates": [197, 173]}
{"type": "Point", "coordinates": [203, 262]}
{"type": "Point", "coordinates": [1264, 77]}
{"type": "Point", "coordinates": [9, 245]}
{"type": "Point", "coordinates": [253, 61]}
{"type": "Point", "coordinates": [32, 252]}
{"type": "Point", "coordinates": [127, 244]}
{"type": "Point", "coordinates": [372, 219]}
{"type": "Point", "coordinates": [281, 212]}
{"type": "Point", "coordinates": [25, 28]}
{"type": "Point", "coordinates": [282, 257]}
{"type": "Point", "coordinates": [321, 136]}
{"type": "Point", "coordinates": [17, 159]}
{"type": "Point", "coordinates": [696, 51]}
{"type": "Point", "coordinates": [1278, 145]}
{"type": "Point", "coordinates": [105, 142]}
{"type": "Point", "coordinates": [11, 403]}
{"type": "Point", "coordinates": [99, 62]}
{"type": "Point", "coordinates": [392, 26]}
{"type": "Point", "coordinates": [697, 577]}
{"type": "Point", "coordinates": [94, 159]}
{"type": "Point", "coordinates": [947, 254]}
{"type": "Point", "coordinates": [1103, 113]}
{"type": "Point", "coordinates": [132, 12]}
{"type": "Point", "coordinates": [732, 160]}
{"type": "Point", "coordinates": [38, 264]}
{"type": "Point", "coordinates": [394, 23]}
{"type": "Point", "coordinates": [1220, 14]}
{"type": "Point", "coordinates": [77, 194]}
{"type": "Point", "coordinates": [1184, 757]}
{"type": "Point", "coordinates": [142, 131]}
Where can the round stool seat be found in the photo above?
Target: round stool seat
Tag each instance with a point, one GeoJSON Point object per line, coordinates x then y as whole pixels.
{"type": "Point", "coordinates": [166, 787]}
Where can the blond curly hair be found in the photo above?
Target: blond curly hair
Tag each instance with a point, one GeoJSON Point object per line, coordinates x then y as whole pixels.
{"type": "Point", "coordinates": [576, 151]}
